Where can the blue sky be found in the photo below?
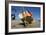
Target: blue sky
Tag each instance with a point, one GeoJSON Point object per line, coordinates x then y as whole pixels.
{"type": "Point", "coordinates": [17, 9]}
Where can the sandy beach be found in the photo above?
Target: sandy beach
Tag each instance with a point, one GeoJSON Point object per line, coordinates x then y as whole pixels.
{"type": "Point", "coordinates": [16, 24]}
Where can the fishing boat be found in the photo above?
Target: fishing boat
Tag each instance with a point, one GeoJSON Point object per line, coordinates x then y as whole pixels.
{"type": "Point", "coordinates": [26, 18]}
